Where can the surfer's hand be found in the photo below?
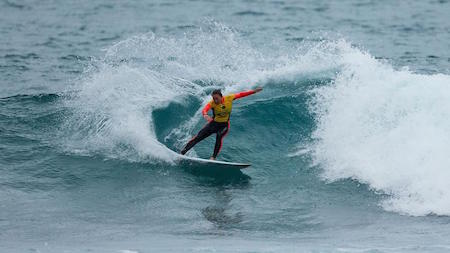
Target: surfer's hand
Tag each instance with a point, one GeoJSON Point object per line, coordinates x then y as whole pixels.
{"type": "Point", "coordinates": [258, 89]}
{"type": "Point", "coordinates": [207, 118]}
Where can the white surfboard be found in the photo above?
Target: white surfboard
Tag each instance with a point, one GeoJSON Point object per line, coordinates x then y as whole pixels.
{"type": "Point", "coordinates": [201, 161]}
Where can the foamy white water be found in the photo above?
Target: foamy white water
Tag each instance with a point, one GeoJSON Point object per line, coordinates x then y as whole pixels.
{"type": "Point", "coordinates": [388, 128]}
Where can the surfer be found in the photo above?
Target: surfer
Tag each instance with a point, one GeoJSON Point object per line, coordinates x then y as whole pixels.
{"type": "Point", "coordinates": [219, 123]}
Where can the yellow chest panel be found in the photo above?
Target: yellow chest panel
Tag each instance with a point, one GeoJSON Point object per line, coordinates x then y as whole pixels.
{"type": "Point", "coordinates": [222, 111]}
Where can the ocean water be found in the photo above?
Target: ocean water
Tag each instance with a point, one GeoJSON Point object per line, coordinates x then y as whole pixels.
{"type": "Point", "coordinates": [349, 139]}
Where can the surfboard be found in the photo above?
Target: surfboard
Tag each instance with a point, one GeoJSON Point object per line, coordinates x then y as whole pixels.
{"type": "Point", "coordinates": [200, 161]}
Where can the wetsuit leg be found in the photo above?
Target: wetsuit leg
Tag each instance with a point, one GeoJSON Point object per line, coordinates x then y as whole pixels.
{"type": "Point", "coordinates": [206, 131]}
{"type": "Point", "coordinates": [219, 138]}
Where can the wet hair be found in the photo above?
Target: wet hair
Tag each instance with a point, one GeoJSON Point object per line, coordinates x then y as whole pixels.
{"type": "Point", "coordinates": [218, 92]}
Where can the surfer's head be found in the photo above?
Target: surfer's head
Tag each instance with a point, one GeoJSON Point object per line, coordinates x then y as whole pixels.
{"type": "Point", "coordinates": [217, 96]}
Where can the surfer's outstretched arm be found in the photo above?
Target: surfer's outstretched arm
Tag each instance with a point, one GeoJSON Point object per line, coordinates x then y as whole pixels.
{"type": "Point", "coordinates": [246, 93]}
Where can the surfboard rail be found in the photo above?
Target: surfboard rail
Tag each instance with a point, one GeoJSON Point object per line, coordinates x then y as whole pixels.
{"type": "Point", "coordinates": [213, 162]}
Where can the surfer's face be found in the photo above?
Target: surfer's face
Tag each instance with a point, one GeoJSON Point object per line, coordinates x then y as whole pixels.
{"type": "Point", "coordinates": [217, 98]}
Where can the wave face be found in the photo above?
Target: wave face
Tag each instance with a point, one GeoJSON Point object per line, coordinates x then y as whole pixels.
{"type": "Point", "coordinates": [113, 104]}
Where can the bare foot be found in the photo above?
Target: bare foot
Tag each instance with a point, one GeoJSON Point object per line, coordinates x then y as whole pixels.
{"type": "Point", "coordinates": [212, 158]}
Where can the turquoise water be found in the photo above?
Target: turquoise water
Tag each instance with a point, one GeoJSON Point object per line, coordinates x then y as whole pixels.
{"type": "Point", "coordinates": [349, 139]}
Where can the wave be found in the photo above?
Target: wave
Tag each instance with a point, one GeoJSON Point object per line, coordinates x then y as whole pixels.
{"type": "Point", "coordinates": [384, 127]}
{"type": "Point", "coordinates": [112, 108]}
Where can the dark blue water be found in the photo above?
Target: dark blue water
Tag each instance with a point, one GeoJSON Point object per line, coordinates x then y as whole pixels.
{"type": "Point", "coordinates": [348, 140]}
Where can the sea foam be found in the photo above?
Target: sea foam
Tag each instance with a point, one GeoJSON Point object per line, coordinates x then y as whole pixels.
{"type": "Point", "coordinates": [388, 128]}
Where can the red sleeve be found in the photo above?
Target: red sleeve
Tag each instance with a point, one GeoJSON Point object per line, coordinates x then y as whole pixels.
{"type": "Point", "coordinates": [243, 94]}
{"type": "Point", "coordinates": [206, 109]}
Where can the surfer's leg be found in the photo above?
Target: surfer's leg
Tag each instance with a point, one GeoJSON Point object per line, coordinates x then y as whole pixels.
{"type": "Point", "coordinates": [219, 139]}
{"type": "Point", "coordinates": [206, 131]}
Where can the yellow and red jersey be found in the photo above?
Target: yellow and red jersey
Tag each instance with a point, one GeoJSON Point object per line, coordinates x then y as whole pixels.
{"type": "Point", "coordinates": [222, 111]}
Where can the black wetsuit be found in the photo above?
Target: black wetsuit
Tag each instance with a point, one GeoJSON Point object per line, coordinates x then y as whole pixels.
{"type": "Point", "coordinates": [219, 128]}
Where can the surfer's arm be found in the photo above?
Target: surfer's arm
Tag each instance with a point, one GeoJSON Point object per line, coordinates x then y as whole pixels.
{"type": "Point", "coordinates": [205, 112]}
{"type": "Point", "coordinates": [246, 93]}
